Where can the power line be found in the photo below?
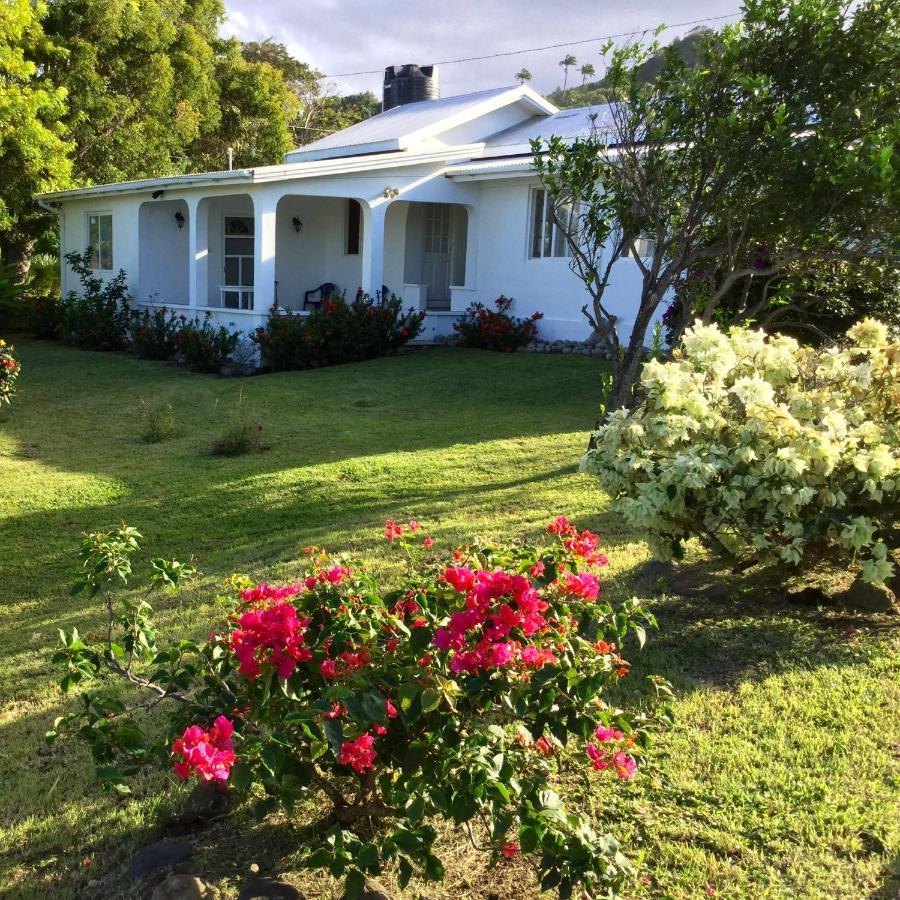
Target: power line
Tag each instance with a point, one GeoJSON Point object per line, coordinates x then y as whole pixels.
{"type": "Point", "coordinates": [606, 37]}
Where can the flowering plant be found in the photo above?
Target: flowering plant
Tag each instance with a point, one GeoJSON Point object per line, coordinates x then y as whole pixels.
{"type": "Point", "coordinates": [450, 695]}
{"type": "Point", "coordinates": [10, 368]}
{"type": "Point", "coordinates": [496, 330]}
{"type": "Point", "coordinates": [765, 450]}
{"type": "Point", "coordinates": [337, 332]}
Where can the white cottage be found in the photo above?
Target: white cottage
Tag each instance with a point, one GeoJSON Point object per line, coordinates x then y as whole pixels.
{"type": "Point", "coordinates": [435, 200]}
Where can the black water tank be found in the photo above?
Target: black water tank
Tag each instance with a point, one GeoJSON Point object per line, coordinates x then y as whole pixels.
{"type": "Point", "coordinates": [410, 84]}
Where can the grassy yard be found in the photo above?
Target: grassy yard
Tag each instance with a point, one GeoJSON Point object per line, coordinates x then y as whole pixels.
{"type": "Point", "coordinates": [780, 779]}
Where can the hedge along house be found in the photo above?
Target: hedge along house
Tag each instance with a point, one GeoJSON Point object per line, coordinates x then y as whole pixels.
{"type": "Point", "coordinates": [435, 200]}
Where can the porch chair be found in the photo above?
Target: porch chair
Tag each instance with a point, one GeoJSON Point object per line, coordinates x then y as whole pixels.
{"type": "Point", "coordinates": [323, 290]}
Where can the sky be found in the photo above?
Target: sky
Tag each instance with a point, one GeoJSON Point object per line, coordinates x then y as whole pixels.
{"type": "Point", "coordinates": [338, 37]}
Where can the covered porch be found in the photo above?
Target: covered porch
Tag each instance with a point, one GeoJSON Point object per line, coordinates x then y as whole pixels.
{"type": "Point", "coordinates": [239, 256]}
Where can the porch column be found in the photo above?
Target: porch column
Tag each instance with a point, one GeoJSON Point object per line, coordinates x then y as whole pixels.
{"type": "Point", "coordinates": [471, 246]}
{"type": "Point", "coordinates": [374, 213]}
{"type": "Point", "coordinates": [264, 207]}
{"type": "Point", "coordinates": [198, 251]}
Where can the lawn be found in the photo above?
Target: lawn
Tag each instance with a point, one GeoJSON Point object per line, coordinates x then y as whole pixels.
{"type": "Point", "coordinates": [781, 777]}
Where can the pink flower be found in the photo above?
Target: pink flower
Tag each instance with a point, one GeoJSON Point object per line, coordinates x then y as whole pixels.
{"type": "Point", "coordinates": [329, 668]}
{"type": "Point", "coordinates": [391, 709]}
{"type": "Point", "coordinates": [359, 754]}
{"type": "Point", "coordinates": [209, 754]}
{"type": "Point", "coordinates": [414, 525]}
{"type": "Point", "coordinates": [393, 530]}
{"type": "Point", "coordinates": [560, 525]}
{"type": "Point", "coordinates": [510, 850]}
{"type": "Point", "coordinates": [607, 734]}
{"type": "Point", "coordinates": [428, 542]}
{"type": "Point", "coordinates": [460, 578]}
{"type": "Point", "coordinates": [624, 765]}
{"type": "Point", "coordinates": [584, 585]}
{"type": "Point", "coordinates": [537, 569]}
{"type": "Point", "coordinates": [270, 636]}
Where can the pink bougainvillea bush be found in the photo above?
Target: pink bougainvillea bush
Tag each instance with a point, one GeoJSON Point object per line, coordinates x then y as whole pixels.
{"type": "Point", "coordinates": [455, 694]}
{"type": "Point", "coordinates": [10, 367]}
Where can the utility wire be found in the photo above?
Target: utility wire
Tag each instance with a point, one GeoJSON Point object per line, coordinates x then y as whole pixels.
{"type": "Point", "coordinates": [606, 37]}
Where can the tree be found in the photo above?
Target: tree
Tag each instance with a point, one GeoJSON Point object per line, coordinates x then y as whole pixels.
{"type": "Point", "coordinates": [332, 113]}
{"type": "Point", "coordinates": [587, 71]}
{"type": "Point", "coordinates": [567, 62]}
{"type": "Point", "coordinates": [523, 76]}
{"type": "Point", "coordinates": [255, 107]}
{"type": "Point", "coordinates": [774, 152]}
{"type": "Point", "coordinates": [34, 146]}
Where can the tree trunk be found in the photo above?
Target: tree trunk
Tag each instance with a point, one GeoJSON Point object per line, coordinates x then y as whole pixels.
{"type": "Point", "coordinates": [16, 252]}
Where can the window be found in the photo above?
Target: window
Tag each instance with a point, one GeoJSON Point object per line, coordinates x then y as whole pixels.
{"type": "Point", "coordinates": [100, 241]}
{"type": "Point", "coordinates": [547, 239]}
{"type": "Point", "coordinates": [354, 226]}
{"type": "Point", "coordinates": [645, 246]}
{"type": "Point", "coordinates": [237, 291]}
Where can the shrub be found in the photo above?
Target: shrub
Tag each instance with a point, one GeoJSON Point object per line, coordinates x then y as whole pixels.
{"type": "Point", "coordinates": [449, 695]}
{"type": "Point", "coordinates": [337, 332]}
{"type": "Point", "coordinates": [157, 422]}
{"type": "Point", "coordinates": [154, 332]}
{"type": "Point", "coordinates": [98, 318]}
{"type": "Point", "coordinates": [44, 316]}
{"type": "Point", "coordinates": [489, 330]}
{"type": "Point", "coordinates": [10, 369]}
{"type": "Point", "coordinates": [243, 432]}
{"type": "Point", "coordinates": [205, 347]}
{"type": "Point", "coordinates": [11, 299]}
{"type": "Point", "coordinates": [766, 451]}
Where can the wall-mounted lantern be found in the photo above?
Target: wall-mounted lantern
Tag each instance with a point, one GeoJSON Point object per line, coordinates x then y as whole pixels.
{"type": "Point", "coordinates": [297, 224]}
{"type": "Point", "coordinates": [179, 220]}
{"type": "Point", "coordinates": [390, 193]}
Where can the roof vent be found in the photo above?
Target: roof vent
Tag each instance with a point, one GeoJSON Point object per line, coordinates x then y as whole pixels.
{"type": "Point", "coordinates": [409, 84]}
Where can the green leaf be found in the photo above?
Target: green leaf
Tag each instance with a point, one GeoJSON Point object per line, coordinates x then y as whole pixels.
{"type": "Point", "coordinates": [241, 776]}
{"type": "Point", "coordinates": [405, 872]}
{"type": "Point", "coordinates": [367, 857]}
{"type": "Point", "coordinates": [264, 807]}
{"type": "Point", "coordinates": [420, 638]}
{"type": "Point", "coordinates": [334, 732]}
{"type": "Point", "coordinates": [430, 700]}
{"type": "Point", "coordinates": [375, 705]}
{"type": "Point", "coordinates": [354, 884]}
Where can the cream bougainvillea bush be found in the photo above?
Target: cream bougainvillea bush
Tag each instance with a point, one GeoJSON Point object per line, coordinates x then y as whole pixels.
{"type": "Point", "coordinates": [765, 450]}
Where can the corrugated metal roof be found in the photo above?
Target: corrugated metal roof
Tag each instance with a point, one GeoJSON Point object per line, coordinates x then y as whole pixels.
{"type": "Point", "coordinates": [567, 123]}
{"type": "Point", "coordinates": [410, 118]}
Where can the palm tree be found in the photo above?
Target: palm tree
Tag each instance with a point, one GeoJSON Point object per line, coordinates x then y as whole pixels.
{"type": "Point", "coordinates": [587, 71]}
{"type": "Point", "coordinates": [567, 62]}
{"type": "Point", "coordinates": [523, 75]}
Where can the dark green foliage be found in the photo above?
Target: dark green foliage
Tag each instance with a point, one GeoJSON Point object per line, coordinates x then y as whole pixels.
{"type": "Point", "coordinates": [98, 318]}
{"type": "Point", "coordinates": [204, 346]}
{"type": "Point", "coordinates": [488, 330]}
{"type": "Point", "coordinates": [337, 332]}
{"type": "Point", "coordinates": [154, 332]}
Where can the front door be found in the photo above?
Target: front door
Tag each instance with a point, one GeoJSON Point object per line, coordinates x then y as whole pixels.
{"type": "Point", "coordinates": [437, 253]}
{"type": "Point", "coordinates": [237, 288]}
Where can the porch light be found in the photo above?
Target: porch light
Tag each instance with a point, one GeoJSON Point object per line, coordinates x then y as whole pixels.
{"type": "Point", "coordinates": [390, 193]}
{"type": "Point", "coordinates": [297, 224]}
{"type": "Point", "coordinates": [179, 220]}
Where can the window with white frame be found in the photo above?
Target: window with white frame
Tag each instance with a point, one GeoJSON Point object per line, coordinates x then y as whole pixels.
{"type": "Point", "coordinates": [546, 239]}
{"type": "Point", "coordinates": [100, 241]}
{"type": "Point", "coordinates": [644, 247]}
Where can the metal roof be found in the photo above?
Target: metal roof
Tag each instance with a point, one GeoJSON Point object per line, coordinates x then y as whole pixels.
{"type": "Point", "coordinates": [394, 128]}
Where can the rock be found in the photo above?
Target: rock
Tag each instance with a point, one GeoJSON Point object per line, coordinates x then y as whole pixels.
{"type": "Point", "coordinates": [161, 855]}
{"type": "Point", "coordinates": [269, 889]}
{"type": "Point", "coordinates": [181, 887]}
{"type": "Point", "coordinates": [207, 801]}
{"type": "Point", "coordinates": [374, 890]}
{"type": "Point", "coordinates": [867, 597]}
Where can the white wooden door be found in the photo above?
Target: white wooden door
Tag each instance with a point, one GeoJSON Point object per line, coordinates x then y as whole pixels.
{"type": "Point", "coordinates": [437, 252]}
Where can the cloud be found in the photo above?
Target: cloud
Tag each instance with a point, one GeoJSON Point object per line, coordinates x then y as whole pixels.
{"type": "Point", "coordinates": [353, 35]}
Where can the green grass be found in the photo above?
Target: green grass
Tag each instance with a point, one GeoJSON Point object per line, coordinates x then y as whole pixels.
{"type": "Point", "coordinates": [780, 778]}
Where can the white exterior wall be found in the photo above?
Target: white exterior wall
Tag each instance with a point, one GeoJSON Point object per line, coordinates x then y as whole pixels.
{"type": "Point", "coordinates": [495, 260]}
{"type": "Point", "coordinates": [541, 285]}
